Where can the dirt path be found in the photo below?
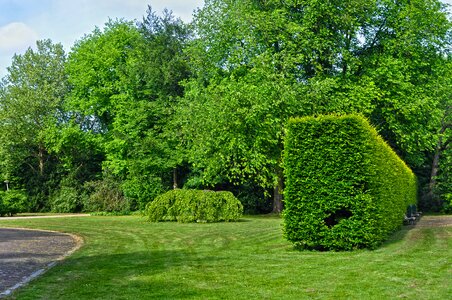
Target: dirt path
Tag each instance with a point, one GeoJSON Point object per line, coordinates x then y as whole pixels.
{"type": "Point", "coordinates": [25, 254]}
{"type": "Point", "coordinates": [435, 221]}
{"type": "Point", "coordinates": [45, 216]}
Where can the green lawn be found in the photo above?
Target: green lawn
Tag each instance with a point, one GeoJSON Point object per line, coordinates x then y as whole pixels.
{"type": "Point", "coordinates": [127, 258]}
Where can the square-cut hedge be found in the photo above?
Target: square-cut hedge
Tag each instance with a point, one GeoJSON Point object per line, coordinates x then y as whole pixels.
{"type": "Point", "coordinates": [345, 187]}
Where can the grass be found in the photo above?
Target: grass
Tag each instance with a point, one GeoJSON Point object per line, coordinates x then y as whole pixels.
{"type": "Point", "coordinates": [127, 258]}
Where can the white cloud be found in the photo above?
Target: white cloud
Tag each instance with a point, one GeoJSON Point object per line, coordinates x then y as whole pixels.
{"type": "Point", "coordinates": [66, 21]}
{"type": "Point", "coordinates": [15, 37]}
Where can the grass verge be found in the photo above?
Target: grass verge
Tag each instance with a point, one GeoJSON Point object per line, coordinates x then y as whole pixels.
{"type": "Point", "coordinates": [127, 258]}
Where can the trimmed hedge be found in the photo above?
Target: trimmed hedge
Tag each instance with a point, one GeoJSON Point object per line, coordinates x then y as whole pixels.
{"type": "Point", "coordinates": [345, 187]}
{"type": "Point", "coordinates": [194, 206]}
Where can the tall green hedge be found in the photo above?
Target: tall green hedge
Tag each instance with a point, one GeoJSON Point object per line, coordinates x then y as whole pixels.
{"type": "Point", "coordinates": [194, 206]}
{"type": "Point", "coordinates": [345, 187]}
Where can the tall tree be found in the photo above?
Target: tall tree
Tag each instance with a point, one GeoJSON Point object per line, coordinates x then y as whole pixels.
{"type": "Point", "coordinates": [31, 102]}
{"type": "Point", "coordinates": [125, 81]}
{"type": "Point", "coordinates": [308, 57]}
{"type": "Point", "coordinates": [439, 187]}
{"type": "Point", "coordinates": [161, 69]}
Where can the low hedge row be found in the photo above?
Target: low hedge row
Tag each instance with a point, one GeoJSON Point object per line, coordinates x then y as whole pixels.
{"type": "Point", "coordinates": [194, 206]}
{"type": "Point", "coordinates": [345, 187]}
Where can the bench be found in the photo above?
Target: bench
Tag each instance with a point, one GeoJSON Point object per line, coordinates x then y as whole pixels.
{"type": "Point", "coordinates": [412, 215]}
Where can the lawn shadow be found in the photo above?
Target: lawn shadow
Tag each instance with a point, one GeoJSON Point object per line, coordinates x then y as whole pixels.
{"type": "Point", "coordinates": [398, 236]}
{"type": "Point", "coordinates": [242, 220]}
{"type": "Point", "coordinates": [149, 273]}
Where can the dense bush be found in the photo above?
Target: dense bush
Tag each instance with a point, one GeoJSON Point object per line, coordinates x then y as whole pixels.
{"type": "Point", "coordinates": [447, 203]}
{"type": "Point", "coordinates": [66, 200]}
{"type": "Point", "coordinates": [142, 188]}
{"type": "Point", "coordinates": [255, 199]}
{"type": "Point", "coordinates": [345, 187]}
{"type": "Point", "coordinates": [194, 206]}
{"type": "Point", "coordinates": [12, 202]}
{"type": "Point", "coordinates": [105, 196]}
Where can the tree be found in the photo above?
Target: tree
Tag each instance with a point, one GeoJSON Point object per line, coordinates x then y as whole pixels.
{"type": "Point", "coordinates": [243, 95]}
{"type": "Point", "coordinates": [297, 58]}
{"type": "Point", "coordinates": [440, 181]}
{"type": "Point", "coordinates": [126, 82]}
{"type": "Point", "coordinates": [31, 102]}
{"type": "Point", "coordinates": [96, 67]}
{"type": "Point", "coordinates": [154, 161]}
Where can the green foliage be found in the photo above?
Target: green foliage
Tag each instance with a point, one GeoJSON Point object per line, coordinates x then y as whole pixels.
{"type": "Point", "coordinates": [448, 203]}
{"type": "Point", "coordinates": [345, 187]}
{"type": "Point", "coordinates": [126, 81]}
{"type": "Point", "coordinates": [194, 206]}
{"type": "Point", "coordinates": [105, 196]}
{"type": "Point", "coordinates": [445, 180]}
{"type": "Point", "coordinates": [31, 103]}
{"type": "Point", "coordinates": [163, 104]}
{"type": "Point", "coordinates": [258, 63]}
{"type": "Point", "coordinates": [127, 258]}
{"type": "Point", "coordinates": [142, 188]}
{"type": "Point", "coordinates": [236, 126]}
{"type": "Point", "coordinates": [66, 200]}
{"type": "Point", "coordinates": [96, 68]}
{"type": "Point", "coordinates": [12, 202]}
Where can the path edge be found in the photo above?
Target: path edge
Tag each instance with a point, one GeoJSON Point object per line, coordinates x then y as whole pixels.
{"type": "Point", "coordinates": [79, 242]}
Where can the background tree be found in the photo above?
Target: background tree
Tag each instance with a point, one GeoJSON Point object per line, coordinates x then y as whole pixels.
{"type": "Point", "coordinates": [126, 82]}
{"type": "Point", "coordinates": [31, 104]}
{"type": "Point", "coordinates": [154, 162]}
{"type": "Point", "coordinates": [146, 107]}
{"type": "Point", "coordinates": [377, 58]}
{"type": "Point", "coordinates": [438, 191]}
{"type": "Point", "coordinates": [102, 90]}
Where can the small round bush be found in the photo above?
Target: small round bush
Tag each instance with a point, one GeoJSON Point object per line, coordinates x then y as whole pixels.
{"type": "Point", "coordinates": [12, 202]}
{"type": "Point", "coordinates": [194, 206]}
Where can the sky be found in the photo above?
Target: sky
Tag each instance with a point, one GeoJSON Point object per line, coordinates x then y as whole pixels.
{"type": "Point", "coordinates": [22, 22]}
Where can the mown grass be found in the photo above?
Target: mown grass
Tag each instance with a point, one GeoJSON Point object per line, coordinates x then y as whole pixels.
{"type": "Point", "coordinates": [127, 258]}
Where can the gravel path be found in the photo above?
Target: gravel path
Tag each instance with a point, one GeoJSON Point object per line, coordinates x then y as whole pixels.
{"type": "Point", "coordinates": [25, 254]}
{"type": "Point", "coordinates": [435, 221]}
{"type": "Point", "coordinates": [45, 216]}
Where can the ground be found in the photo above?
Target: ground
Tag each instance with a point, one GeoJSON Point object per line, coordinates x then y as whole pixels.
{"type": "Point", "coordinates": [125, 257]}
{"type": "Point", "coordinates": [26, 253]}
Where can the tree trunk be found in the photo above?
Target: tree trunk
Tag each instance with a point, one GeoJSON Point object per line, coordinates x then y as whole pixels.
{"type": "Point", "coordinates": [41, 155]}
{"type": "Point", "coordinates": [175, 178]}
{"type": "Point", "coordinates": [440, 147]}
{"type": "Point", "coordinates": [434, 171]}
{"type": "Point", "coordinates": [278, 196]}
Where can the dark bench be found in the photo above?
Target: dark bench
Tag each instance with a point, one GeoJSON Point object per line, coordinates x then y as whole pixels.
{"type": "Point", "coordinates": [412, 215]}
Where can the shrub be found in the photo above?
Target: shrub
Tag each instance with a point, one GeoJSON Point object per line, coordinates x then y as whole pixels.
{"type": "Point", "coordinates": [345, 187]}
{"type": "Point", "coordinates": [194, 206]}
{"type": "Point", "coordinates": [141, 189]}
{"type": "Point", "coordinates": [66, 200]}
{"type": "Point", "coordinates": [447, 204]}
{"type": "Point", "coordinates": [105, 196]}
{"type": "Point", "coordinates": [12, 202]}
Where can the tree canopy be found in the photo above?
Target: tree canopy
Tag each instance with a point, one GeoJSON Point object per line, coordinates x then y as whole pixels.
{"type": "Point", "coordinates": [158, 104]}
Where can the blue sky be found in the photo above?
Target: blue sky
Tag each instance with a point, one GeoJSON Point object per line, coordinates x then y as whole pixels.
{"type": "Point", "coordinates": [22, 22]}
